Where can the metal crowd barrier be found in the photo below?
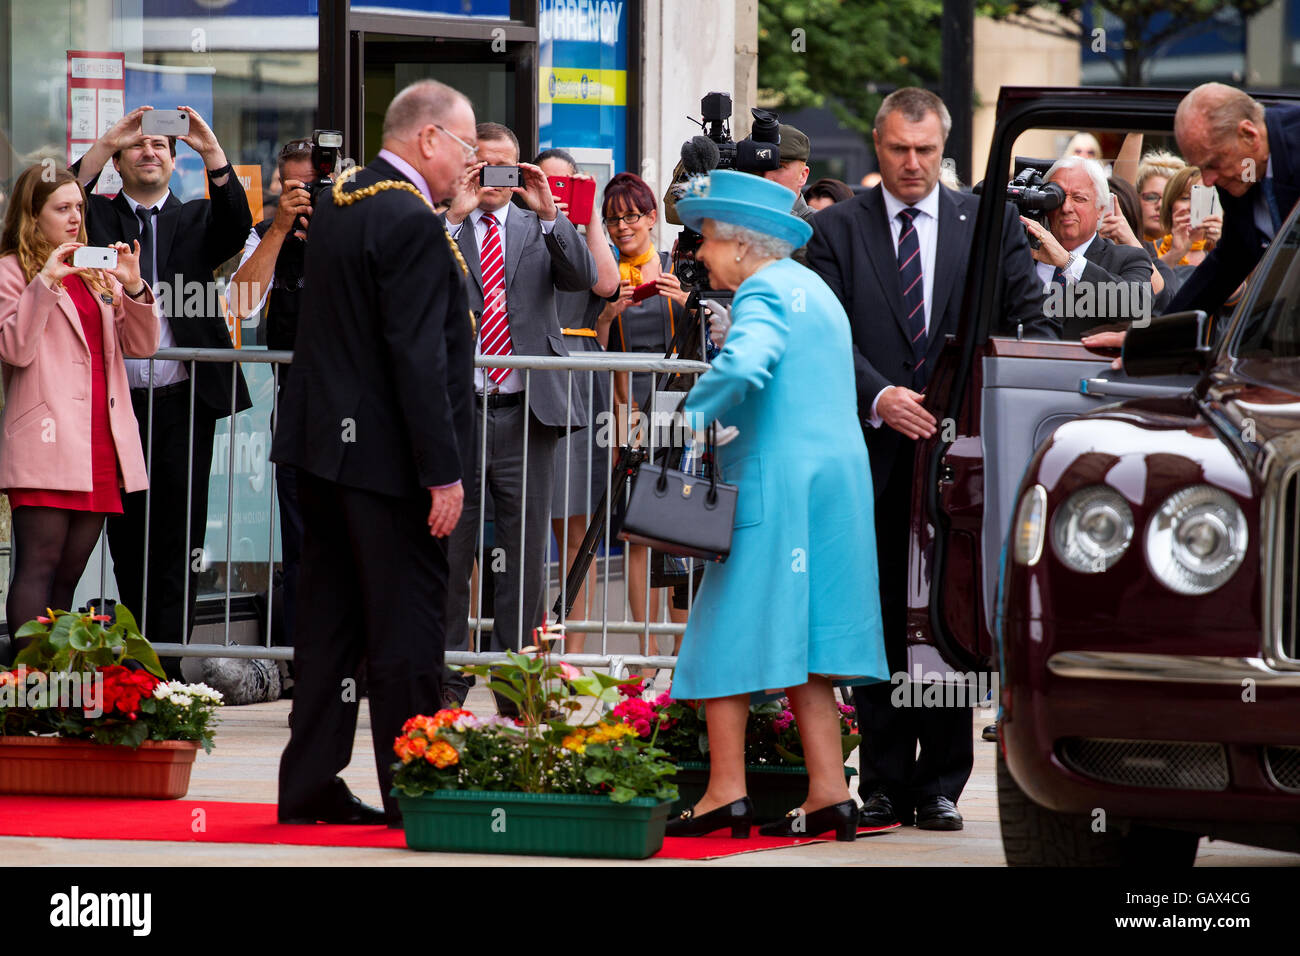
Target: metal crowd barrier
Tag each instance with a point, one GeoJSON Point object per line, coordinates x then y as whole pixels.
{"type": "Point", "coordinates": [581, 370]}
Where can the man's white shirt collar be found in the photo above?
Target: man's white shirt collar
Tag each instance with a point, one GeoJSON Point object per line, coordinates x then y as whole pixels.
{"type": "Point", "coordinates": [928, 204]}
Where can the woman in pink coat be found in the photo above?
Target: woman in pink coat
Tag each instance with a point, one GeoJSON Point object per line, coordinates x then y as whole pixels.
{"type": "Point", "coordinates": [68, 437]}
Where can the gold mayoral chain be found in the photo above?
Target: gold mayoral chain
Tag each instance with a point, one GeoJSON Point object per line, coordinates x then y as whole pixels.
{"type": "Point", "coordinates": [365, 192]}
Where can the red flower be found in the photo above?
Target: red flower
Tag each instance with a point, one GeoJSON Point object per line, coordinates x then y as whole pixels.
{"type": "Point", "coordinates": [125, 688]}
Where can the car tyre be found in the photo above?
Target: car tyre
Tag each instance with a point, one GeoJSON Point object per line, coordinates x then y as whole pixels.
{"type": "Point", "coordinates": [1033, 835]}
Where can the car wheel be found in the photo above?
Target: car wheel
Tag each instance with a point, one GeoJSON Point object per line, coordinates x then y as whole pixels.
{"type": "Point", "coordinates": [1032, 835]}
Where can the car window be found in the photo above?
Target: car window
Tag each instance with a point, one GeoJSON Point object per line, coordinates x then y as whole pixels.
{"type": "Point", "coordinates": [1271, 329]}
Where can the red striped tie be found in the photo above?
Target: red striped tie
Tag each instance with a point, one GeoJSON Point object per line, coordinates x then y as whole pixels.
{"type": "Point", "coordinates": [494, 332]}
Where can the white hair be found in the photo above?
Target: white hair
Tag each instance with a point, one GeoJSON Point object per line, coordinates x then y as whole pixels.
{"type": "Point", "coordinates": [765, 244]}
{"type": "Point", "coordinates": [1094, 171]}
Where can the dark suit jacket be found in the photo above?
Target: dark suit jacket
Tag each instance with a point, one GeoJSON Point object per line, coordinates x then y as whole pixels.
{"type": "Point", "coordinates": [1107, 267]}
{"type": "Point", "coordinates": [382, 387]}
{"type": "Point", "coordinates": [194, 239]}
{"type": "Point", "coordinates": [537, 265]}
{"type": "Point", "coordinates": [1242, 244]}
{"type": "Point", "coordinates": [853, 251]}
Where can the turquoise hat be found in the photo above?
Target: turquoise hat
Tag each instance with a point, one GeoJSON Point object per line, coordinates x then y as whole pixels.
{"type": "Point", "coordinates": [743, 199]}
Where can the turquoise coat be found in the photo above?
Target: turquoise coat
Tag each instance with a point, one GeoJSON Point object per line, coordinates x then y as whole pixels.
{"type": "Point", "coordinates": [800, 592]}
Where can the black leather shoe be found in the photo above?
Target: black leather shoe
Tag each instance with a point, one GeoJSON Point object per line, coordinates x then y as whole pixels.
{"type": "Point", "coordinates": [938, 813]}
{"type": "Point", "coordinates": [879, 811]}
{"type": "Point", "coordinates": [990, 733]}
{"type": "Point", "coordinates": [739, 815]}
{"type": "Point", "coordinates": [840, 817]}
{"type": "Point", "coordinates": [337, 805]}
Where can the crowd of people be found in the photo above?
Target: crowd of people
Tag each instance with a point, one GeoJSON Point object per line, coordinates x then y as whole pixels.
{"type": "Point", "coordinates": [388, 286]}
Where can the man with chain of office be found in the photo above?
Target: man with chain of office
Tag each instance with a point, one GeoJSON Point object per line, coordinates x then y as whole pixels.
{"type": "Point", "coordinates": [377, 420]}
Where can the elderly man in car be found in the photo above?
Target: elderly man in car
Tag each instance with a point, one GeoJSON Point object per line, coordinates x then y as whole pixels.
{"type": "Point", "coordinates": [1088, 281]}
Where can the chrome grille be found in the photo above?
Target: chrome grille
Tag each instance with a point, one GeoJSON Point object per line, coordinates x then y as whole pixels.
{"type": "Point", "coordinates": [1289, 531]}
{"type": "Point", "coordinates": [1148, 763]}
{"type": "Point", "coordinates": [1284, 766]}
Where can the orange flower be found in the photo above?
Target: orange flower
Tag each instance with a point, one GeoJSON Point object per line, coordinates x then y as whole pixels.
{"type": "Point", "coordinates": [441, 754]}
{"type": "Point", "coordinates": [447, 717]}
{"type": "Point", "coordinates": [420, 722]}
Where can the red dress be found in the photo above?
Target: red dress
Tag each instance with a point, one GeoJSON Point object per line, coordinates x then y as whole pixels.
{"type": "Point", "coordinates": [106, 496]}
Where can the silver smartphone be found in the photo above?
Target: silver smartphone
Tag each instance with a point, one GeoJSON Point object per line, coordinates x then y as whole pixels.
{"type": "Point", "coordinates": [94, 257]}
{"type": "Point", "coordinates": [501, 176]}
{"type": "Point", "coordinates": [1205, 202]}
{"type": "Point", "coordinates": [165, 123]}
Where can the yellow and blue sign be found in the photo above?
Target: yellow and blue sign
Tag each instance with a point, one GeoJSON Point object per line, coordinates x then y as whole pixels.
{"type": "Point", "coordinates": [583, 75]}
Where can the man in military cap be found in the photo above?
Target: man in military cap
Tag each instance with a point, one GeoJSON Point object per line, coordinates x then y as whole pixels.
{"type": "Point", "coordinates": [793, 171]}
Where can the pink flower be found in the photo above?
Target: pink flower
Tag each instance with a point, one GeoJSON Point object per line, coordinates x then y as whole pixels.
{"type": "Point", "coordinates": [642, 727]}
{"type": "Point", "coordinates": [569, 672]}
{"type": "Point", "coordinates": [635, 689]}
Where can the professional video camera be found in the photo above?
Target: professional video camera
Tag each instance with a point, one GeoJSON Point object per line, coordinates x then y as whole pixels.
{"type": "Point", "coordinates": [1034, 198]}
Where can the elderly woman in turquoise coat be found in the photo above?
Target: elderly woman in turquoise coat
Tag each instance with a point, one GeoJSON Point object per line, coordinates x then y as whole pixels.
{"type": "Point", "coordinates": [796, 605]}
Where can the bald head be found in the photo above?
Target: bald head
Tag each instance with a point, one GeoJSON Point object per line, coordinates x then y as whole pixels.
{"type": "Point", "coordinates": [426, 125]}
{"type": "Point", "coordinates": [424, 103]}
{"type": "Point", "coordinates": [1221, 129]}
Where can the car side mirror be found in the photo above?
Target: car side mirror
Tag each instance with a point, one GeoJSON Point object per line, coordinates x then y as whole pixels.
{"type": "Point", "coordinates": [1174, 344]}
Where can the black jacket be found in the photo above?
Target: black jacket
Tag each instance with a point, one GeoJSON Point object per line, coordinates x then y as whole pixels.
{"type": "Point", "coordinates": [853, 251]}
{"type": "Point", "coordinates": [1242, 244]}
{"type": "Point", "coordinates": [381, 396]}
{"type": "Point", "coordinates": [1110, 273]}
{"type": "Point", "coordinates": [194, 239]}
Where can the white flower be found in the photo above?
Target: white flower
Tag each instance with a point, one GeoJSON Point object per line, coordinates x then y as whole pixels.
{"type": "Point", "coordinates": [180, 700]}
{"type": "Point", "coordinates": [161, 690]}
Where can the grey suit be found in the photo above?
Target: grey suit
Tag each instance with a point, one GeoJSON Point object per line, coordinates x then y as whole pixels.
{"type": "Point", "coordinates": [536, 265]}
{"type": "Point", "coordinates": [1107, 267]}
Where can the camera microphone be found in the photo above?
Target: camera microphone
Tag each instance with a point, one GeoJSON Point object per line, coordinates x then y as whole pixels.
{"type": "Point", "coordinates": [699, 155]}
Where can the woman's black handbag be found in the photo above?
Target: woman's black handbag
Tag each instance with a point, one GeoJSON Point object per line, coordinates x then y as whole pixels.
{"type": "Point", "coordinates": [678, 513]}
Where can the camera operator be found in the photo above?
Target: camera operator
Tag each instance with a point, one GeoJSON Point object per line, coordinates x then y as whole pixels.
{"type": "Point", "coordinates": [270, 279]}
{"type": "Point", "coordinates": [1086, 277]}
{"type": "Point", "coordinates": [793, 171]}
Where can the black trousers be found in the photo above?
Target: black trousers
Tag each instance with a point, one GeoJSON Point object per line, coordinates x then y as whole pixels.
{"type": "Point", "coordinates": [286, 492]}
{"type": "Point", "coordinates": [169, 616]}
{"type": "Point", "coordinates": [372, 587]}
{"type": "Point", "coordinates": [890, 734]}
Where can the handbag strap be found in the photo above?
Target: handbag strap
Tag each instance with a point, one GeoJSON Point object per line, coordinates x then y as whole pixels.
{"type": "Point", "coordinates": [711, 449]}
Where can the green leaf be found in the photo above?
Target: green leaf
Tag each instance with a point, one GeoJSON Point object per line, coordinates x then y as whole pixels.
{"type": "Point", "coordinates": [137, 648]}
{"type": "Point", "coordinates": [59, 632]}
{"type": "Point", "coordinates": [80, 637]}
{"type": "Point", "coordinates": [622, 794]}
{"type": "Point", "coordinates": [597, 775]}
{"type": "Point", "coordinates": [32, 629]}
{"type": "Point", "coordinates": [849, 743]}
{"type": "Point", "coordinates": [507, 692]}
{"type": "Point", "coordinates": [787, 756]}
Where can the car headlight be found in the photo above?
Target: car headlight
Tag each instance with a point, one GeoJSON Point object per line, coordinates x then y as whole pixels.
{"type": "Point", "coordinates": [1196, 541]}
{"type": "Point", "coordinates": [1031, 526]}
{"type": "Point", "coordinates": [1092, 530]}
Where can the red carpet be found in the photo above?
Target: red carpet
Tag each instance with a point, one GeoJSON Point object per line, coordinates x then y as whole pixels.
{"type": "Point", "coordinates": [210, 821]}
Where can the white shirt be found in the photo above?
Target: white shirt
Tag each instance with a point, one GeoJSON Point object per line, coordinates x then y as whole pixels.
{"type": "Point", "coordinates": [927, 236]}
{"type": "Point", "coordinates": [164, 373]}
{"type": "Point", "coordinates": [1264, 218]}
{"type": "Point", "coordinates": [514, 382]}
{"type": "Point", "coordinates": [250, 246]}
{"type": "Point", "coordinates": [1073, 274]}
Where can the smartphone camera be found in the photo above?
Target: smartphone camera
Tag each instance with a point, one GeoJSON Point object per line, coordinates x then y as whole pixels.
{"type": "Point", "coordinates": [500, 177]}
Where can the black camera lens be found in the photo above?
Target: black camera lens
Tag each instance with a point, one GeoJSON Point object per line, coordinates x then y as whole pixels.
{"type": "Point", "coordinates": [767, 126]}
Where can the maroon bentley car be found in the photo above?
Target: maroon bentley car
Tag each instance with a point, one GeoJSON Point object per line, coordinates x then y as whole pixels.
{"type": "Point", "coordinates": [1120, 548]}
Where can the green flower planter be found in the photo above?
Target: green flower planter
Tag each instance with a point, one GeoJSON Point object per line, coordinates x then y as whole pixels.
{"type": "Point", "coordinates": [545, 824]}
{"type": "Point", "coordinates": [774, 790]}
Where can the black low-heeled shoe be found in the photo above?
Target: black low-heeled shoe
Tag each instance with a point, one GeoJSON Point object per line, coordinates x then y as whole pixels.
{"type": "Point", "coordinates": [739, 815]}
{"type": "Point", "coordinates": [840, 817]}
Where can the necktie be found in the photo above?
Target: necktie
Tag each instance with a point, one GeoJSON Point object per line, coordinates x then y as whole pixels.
{"type": "Point", "coordinates": [1058, 276]}
{"type": "Point", "coordinates": [494, 331]}
{"type": "Point", "coordinates": [909, 275]}
{"type": "Point", "coordinates": [1270, 197]}
{"type": "Point", "coordinates": [146, 243]}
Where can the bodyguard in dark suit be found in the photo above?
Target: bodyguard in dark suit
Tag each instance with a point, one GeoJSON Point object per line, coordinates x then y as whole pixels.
{"type": "Point", "coordinates": [517, 259]}
{"type": "Point", "coordinates": [181, 246]}
{"type": "Point", "coordinates": [376, 419]}
{"type": "Point", "coordinates": [1089, 280]}
{"type": "Point", "coordinates": [896, 256]}
{"type": "Point", "coordinates": [1252, 156]}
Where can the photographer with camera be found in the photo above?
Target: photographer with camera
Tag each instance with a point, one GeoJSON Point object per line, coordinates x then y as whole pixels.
{"type": "Point", "coordinates": [270, 279]}
{"type": "Point", "coordinates": [1088, 279]}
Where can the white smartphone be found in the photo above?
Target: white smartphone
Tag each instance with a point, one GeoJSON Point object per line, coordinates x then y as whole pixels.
{"type": "Point", "coordinates": [165, 123]}
{"type": "Point", "coordinates": [95, 257]}
{"type": "Point", "coordinates": [1204, 200]}
{"type": "Point", "coordinates": [1113, 208]}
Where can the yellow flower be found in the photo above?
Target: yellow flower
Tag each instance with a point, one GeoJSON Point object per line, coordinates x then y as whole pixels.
{"type": "Point", "coordinates": [575, 742]}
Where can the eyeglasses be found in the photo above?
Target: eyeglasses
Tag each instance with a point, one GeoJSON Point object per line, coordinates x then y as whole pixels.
{"type": "Point", "coordinates": [470, 151]}
{"type": "Point", "coordinates": [294, 147]}
{"type": "Point", "coordinates": [631, 219]}
{"type": "Point", "coordinates": [1150, 197]}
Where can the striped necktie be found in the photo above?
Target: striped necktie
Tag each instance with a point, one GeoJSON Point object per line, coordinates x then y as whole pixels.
{"type": "Point", "coordinates": [494, 331]}
{"type": "Point", "coordinates": [911, 280]}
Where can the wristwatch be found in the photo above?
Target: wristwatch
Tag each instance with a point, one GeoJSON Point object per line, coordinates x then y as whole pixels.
{"type": "Point", "coordinates": [1069, 263]}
